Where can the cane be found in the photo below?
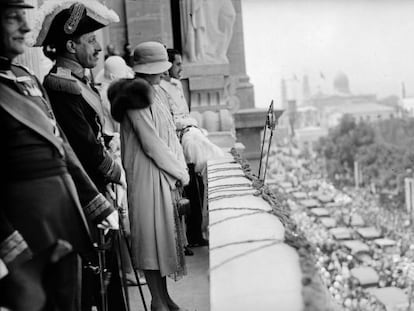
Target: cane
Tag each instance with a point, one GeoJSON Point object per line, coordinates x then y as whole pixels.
{"type": "Point", "coordinates": [129, 248]}
{"type": "Point", "coordinates": [103, 276]}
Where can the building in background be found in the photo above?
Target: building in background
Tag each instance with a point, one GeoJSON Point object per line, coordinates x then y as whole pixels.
{"type": "Point", "coordinates": [317, 112]}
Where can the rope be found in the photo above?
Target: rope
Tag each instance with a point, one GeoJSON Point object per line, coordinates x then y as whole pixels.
{"type": "Point", "coordinates": [222, 163]}
{"type": "Point", "coordinates": [228, 196]}
{"type": "Point", "coordinates": [223, 169]}
{"type": "Point", "coordinates": [211, 179]}
{"type": "Point", "coordinates": [236, 209]}
{"type": "Point", "coordinates": [235, 217]}
{"type": "Point", "coordinates": [275, 242]}
{"type": "Point", "coordinates": [228, 188]}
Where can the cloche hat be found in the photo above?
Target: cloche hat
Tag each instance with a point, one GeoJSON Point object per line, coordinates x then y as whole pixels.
{"type": "Point", "coordinates": [151, 58]}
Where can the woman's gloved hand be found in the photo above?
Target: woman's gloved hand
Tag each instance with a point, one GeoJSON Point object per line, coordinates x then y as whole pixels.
{"type": "Point", "coordinates": [185, 179]}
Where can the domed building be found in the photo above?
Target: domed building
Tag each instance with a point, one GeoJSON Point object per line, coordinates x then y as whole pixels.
{"type": "Point", "coordinates": [341, 84]}
{"type": "Point", "coordinates": [321, 111]}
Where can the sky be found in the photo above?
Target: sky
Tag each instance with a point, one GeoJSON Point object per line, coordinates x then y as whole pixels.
{"type": "Point", "coordinates": [371, 41]}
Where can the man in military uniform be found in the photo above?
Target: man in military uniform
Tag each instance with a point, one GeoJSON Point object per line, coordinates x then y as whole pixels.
{"type": "Point", "coordinates": [45, 192]}
{"type": "Point", "coordinates": [69, 29]}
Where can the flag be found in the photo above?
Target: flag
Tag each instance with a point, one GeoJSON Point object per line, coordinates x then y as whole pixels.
{"type": "Point", "coordinates": [322, 75]}
{"type": "Point", "coordinates": [403, 90]}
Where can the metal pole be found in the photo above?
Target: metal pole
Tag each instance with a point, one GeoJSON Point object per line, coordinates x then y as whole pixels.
{"type": "Point", "coordinates": [272, 124]}
{"type": "Point", "coordinates": [267, 124]}
{"type": "Point", "coordinates": [261, 152]}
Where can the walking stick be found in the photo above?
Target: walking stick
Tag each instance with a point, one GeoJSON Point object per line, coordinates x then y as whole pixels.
{"type": "Point", "coordinates": [129, 248]}
{"type": "Point", "coordinates": [103, 273]}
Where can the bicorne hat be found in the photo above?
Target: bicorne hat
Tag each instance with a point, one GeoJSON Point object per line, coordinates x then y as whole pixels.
{"type": "Point", "coordinates": [64, 19]}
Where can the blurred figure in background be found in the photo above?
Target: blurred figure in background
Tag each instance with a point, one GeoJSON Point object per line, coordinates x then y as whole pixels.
{"type": "Point", "coordinates": [128, 57]}
{"type": "Point", "coordinates": [114, 68]}
{"type": "Point", "coordinates": [111, 50]}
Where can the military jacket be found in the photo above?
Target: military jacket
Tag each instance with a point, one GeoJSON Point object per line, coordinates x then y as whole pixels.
{"type": "Point", "coordinates": [78, 109]}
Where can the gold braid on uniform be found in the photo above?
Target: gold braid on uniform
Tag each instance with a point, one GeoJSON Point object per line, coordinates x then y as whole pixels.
{"type": "Point", "coordinates": [74, 19]}
{"type": "Point", "coordinates": [62, 82]}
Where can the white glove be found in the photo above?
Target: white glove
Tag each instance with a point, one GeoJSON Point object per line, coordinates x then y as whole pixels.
{"type": "Point", "coordinates": [118, 195]}
{"type": "Point", "coordinates": [185, 180]}
{"type": "Point", "coordinates": [110, 222]}
{"type": "Point", "coordinates": [3, 269]}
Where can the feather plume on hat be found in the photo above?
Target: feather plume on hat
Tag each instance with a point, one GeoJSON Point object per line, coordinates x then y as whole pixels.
{"type": "Point", "coordinates": [51, 8]}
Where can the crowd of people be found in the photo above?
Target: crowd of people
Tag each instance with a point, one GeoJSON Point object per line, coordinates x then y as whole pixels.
{"type": "Point", "coordinates": [74, 146]}
{"type": "Point", "coordinates": [350, 208]}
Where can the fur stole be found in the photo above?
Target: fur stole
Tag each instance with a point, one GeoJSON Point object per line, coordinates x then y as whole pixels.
{"type": "Point", "coordinates": [125, 94]}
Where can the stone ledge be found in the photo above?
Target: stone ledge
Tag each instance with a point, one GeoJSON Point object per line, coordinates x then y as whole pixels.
{"type": "Point", "coordinates": [194, 70]}
{"type": "Point", "coordinates": [223, 139]}
{"type": "Point", "coordinates": [250, 118]}
{"type": "Point", "coordinates": [206, 83]}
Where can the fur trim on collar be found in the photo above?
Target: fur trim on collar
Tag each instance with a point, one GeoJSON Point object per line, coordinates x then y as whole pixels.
{"type": "Point", "coordinates": [127, 94]}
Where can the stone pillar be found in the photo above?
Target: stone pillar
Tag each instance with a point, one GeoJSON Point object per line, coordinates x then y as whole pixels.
{"type": "Point", "coordinates": [250, 123]}
{"type": "Point", "coordinates": [214, 67]}
{"type": "Point", "coordinates": [237, 60]}
{"type": "Point", "coordinates": [149, 20]}
{"type": "Point", "coordinates": [117, 33]}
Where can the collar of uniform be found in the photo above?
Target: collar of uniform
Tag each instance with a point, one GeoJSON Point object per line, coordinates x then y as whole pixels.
{"type": "Point", "coordinates": [5, 63]}
{"type": "Point", "coordinates": [72, 65]}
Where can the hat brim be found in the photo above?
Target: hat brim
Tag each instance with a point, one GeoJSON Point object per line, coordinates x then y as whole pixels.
{"type": "Point", "coordinates": [19, 6]}
{"type": "Point", "coordinates": [152, 68]}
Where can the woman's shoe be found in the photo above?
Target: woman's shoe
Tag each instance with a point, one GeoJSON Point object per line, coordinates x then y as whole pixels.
{"type": "Point", "coordinates": [202, 242]}
{"type": "Point", "coordinates": [188, 251]}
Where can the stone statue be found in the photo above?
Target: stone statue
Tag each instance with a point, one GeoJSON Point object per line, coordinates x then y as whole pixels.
{"type": "Point", "coordinates": [207, 28]}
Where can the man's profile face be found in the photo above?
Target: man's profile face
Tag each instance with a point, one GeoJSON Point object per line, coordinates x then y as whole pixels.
{"type": "Point", "coordinates": [87, 50]}
{"type": "Point", "coordinates": [14, 27]}
{"type": "Point", "coordinates": [176, 68]}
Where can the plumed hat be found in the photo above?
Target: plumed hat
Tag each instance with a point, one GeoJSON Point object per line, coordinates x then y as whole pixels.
{"type": "Point", "coordinates": [59, 20]}
{"type": "Point", "coordinates": [15, 4]}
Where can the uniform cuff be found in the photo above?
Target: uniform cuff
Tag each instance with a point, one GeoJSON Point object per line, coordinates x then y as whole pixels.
{"type": "Point", "coordinates": [110, 169]}
{"type": "Point", "coordinates": [98, 209]}
{"type": "Point", "coordinates": [14, 250]}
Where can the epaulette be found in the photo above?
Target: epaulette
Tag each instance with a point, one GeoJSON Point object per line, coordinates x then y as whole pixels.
{"type": "Point", "coordinates": [62, 81]}
{"type": "Point", "coordinates": [31, 72]}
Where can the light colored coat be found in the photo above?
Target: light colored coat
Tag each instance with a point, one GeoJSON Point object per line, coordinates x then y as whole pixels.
{"type": "Point", "coordinates": [153, 160]}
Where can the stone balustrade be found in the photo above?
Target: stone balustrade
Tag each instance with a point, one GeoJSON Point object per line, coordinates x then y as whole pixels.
{"type": "Point", "coordinates": [251, 268]}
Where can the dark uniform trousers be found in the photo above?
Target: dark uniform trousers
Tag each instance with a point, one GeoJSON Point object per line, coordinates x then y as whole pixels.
{"type": "Point", "coordinates": [28, 287]}
{"type": "Point", "coordinates": [194, 192]}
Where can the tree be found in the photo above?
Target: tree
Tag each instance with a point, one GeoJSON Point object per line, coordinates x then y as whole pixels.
{"type": "Point", "coordinates": [384, 151]}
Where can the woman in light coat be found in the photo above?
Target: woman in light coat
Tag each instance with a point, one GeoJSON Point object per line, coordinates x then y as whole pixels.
{"type": "Point", "coordinates": [154, 163]}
